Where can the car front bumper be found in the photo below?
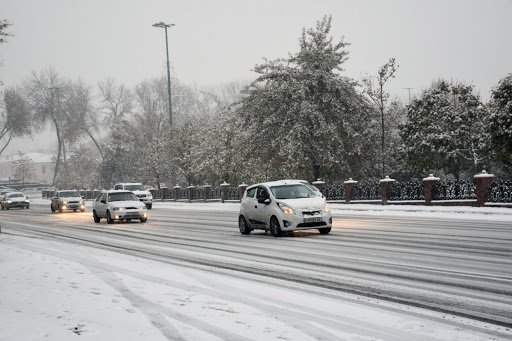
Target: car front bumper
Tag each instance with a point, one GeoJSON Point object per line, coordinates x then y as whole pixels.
{"type": "Point", "coordinates": [301, 222]}
{"type": "Point", "coordinates": [71, 206]}
{"type": "Point", "coordinates": [129, 214]}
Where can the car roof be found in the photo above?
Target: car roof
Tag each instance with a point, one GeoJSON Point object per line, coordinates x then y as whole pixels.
{"type": "Point", "coordinates": [117, 191]}
{"type": "Point", "coordinates": [279, 183]}
{"type": "Point", "coordinates": [129, 183]}
{"type": "Point", "coordinates": [15, 193]}
{"type": "Point", "coordinates": [67, 190]}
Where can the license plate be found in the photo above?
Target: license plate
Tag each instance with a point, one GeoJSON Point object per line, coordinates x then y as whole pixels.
{"type": "Point", "coordinates": [312, 219]}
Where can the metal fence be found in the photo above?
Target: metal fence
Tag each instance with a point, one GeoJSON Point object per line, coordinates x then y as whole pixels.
{"type": "Point", "coordinates": [501, 192]}
{"type": "Point", "coordinates": [407, 191]}
{"type": "Point", "coordinates": [366, 190]}
{"type": "Point", "coordinates": [455, 190]}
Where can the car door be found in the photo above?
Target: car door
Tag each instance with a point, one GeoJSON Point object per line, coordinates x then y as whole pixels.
{"type": "Point", "coordinates": [248, 206]}
{"type": "Point", "coordinates": [55, 201]}
{"type": "Point", "coordinates": [100, 205]}
{"type": "Point", "coordinates": [262, 209]}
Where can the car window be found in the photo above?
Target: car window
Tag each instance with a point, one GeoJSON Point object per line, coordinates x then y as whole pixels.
{"type": "Point", "coordinates": [138, 187]}
{"type": "Point", "coordinates": [100, 197]}
{"type": "Point", "coordinates": [250, 192]}
{"type": "Point", "coordinates": [295, 191]}
{"type": "Point", "coordinates": [124, 196]}
{"type": "Point", "coordinates": [262, 193]}
{"type": "Point", "coordinates": [15, 195]}
{"type": "Point", "coordinates": [69, 194]}
{"type": "Point", "coordinates": [118, 187]}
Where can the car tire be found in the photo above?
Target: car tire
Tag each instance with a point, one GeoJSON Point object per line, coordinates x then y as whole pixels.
{"type": "Point", "coordinates": [324, 230]}
{"type": "Point", "coordinates": [143, 220]}
{"type": "Point", "coordinates": [109, 218]}
{"type": "Point", "coordinates": [275, 229]}
{"type": "Point", "coordinates": [149, 206]}
{"type": "Point", "coordinates": [51, 207]}
{"type": "Point", "coordinates": [27, 207]}
{"type": "Point", "coordinates": [95, 217]}
{"type": "Point", "coordinates": [242, 225]}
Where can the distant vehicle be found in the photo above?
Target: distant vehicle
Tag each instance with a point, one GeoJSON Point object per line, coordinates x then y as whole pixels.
{"type": "Point", "coordinates": [14, 200]}
{"type": "Point", "coordinates": [283, 207]}
{"type": "Point", "coordinates": [138, 189]}
{"type": "Point", "coordinates": [67, 200]}
{"type": "Point", "coordinates": [118, 205]}
{"type": "Point", "coordinates": [5, 191]}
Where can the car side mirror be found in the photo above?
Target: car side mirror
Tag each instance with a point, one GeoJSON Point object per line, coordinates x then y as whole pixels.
{"type": "Point", "coordinates": [103, 201]}
{"type": "Point", "coordinates": [265, 201]}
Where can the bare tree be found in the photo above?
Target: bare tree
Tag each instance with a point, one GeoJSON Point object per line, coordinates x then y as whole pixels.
{"type": "Point", "coordinates": [116, 100]}
{"type": "Point", "coordinates": [374, 88]}
{"type": "Point", "coordinates": [45, 92]}
{"type": "Point", "coordinates": [23, 168]}
{"type": "Point", "coordinates": [14, 117]}
{"type": "Point", "coordinates": [81, 118]}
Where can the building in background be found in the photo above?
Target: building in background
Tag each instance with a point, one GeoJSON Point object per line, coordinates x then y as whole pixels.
{"type": "Point", "coordinates": [41, 169]}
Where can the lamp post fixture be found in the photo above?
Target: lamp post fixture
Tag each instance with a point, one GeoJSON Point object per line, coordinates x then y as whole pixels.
{"type": "Point", "coordinates": [163, 25]}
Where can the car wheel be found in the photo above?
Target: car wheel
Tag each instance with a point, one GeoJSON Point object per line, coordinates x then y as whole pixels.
{"type": "Point", "coordinates": [242, 225]}
{"type": "Point", "coordinates": [2, 207]}
{"type": "Point", "coordinates": [275, 229]}
{"type": "Point", "coordinates": [95, 217]}
{"type": "Point", "coordinates": [27, 207]}
{"type": "Point", "coordinates": [324, 230]}
{"type": "Point", "coordinates": [143, 220]}
{"type": "Point", "coordinates": [52, 208]}
{"type": "Point", "coordinates": [149, 206]}
{"type": "Point", "coordinates": [109, 218]}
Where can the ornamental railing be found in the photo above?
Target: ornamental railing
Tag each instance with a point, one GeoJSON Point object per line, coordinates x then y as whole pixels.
{"type": "Point", "coordinates": [366, 190]}
{"type": "Point", "coordinates": [407, 191]}
{"type": "Point", "coordinates": [501, 192]}
{"type": "Point", "coordinates": [334, 191]}
{"type": "Point", "coordinates": [454, 190]}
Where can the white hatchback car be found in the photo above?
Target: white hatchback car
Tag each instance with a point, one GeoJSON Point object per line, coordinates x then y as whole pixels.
{"type": "Point", "coordinates": [118, 205]}
{"type": "Point", "coordinates": [283, 207]}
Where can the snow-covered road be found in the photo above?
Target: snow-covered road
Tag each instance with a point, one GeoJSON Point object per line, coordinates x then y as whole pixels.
{"type": "Point", "coordinates": [192, 276]}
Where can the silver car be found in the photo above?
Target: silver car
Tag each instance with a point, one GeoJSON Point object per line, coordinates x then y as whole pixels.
{"type": "Point", "coordinates": [283, 207]}
{"type": "Point", "coordinates": [67, 200]}
{"type": "Point", "coordinates": [116, 205]}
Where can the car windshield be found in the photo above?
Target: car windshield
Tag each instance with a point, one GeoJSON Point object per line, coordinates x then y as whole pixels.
{"type": "Point", "coordinates": [134, 187]}
{"type": "Point", "coordinates": [296, 191]}
{"type": "Point", "coordinates": [123, 196]}
{"type": "Point", "coordinates": [69, 194]}
{"type": "Point", "coordinates": [15, 195]}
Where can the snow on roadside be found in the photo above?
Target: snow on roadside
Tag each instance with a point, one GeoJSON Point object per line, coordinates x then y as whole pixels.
{"type": "Point", "coordinates": [339, 209]}
{"type": "Point", "coordinates": [55, 291]}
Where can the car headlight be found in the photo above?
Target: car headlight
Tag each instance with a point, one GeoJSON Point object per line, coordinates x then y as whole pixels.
{"type": "Point", "coordinates": [118, 209]}
{"type": "Point", "coordinates": [149, 196]}
{"type": "Point", "coordinates": [327, 209]}
{"type": "Point", "coordinates": [287, 210]}
{"type": "Point", "coordinates": [9, 201]}
{"type": "Point", "coordinates": [64, 202]}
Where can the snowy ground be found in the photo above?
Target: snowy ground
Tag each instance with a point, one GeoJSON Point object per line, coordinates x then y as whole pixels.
{"type": "Point", "coordinates": [52, 290]}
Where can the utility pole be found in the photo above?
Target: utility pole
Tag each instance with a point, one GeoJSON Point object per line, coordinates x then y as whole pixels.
{"type": "Point", "coordinates": [163, 25]}
{"type": "Point", "coordinates": [409, 89]}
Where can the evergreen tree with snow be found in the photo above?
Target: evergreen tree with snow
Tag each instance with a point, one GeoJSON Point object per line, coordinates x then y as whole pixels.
{"type": "Point", "coordinates": [500, 107]}
{"type": "Point", "coordinates": [445, 131]}
{"type": "Point", "coordinates": [302, 118]}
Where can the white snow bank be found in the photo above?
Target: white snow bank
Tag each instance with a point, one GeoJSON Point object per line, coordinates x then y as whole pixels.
{"type": "Point", "coordinates": [56, 291]}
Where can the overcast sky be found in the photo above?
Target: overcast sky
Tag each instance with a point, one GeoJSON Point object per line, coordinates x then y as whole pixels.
{"type": "Point", "coordinates": [219, 41]}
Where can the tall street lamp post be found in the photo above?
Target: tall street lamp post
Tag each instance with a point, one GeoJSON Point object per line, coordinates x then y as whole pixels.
{"type": "Point", "coordinates": [161, 24]}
